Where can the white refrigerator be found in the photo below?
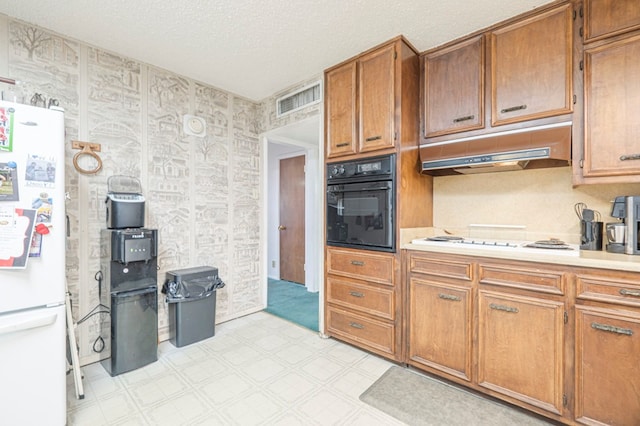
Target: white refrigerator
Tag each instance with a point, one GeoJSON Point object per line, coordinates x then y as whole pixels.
{"type": "Point", "coordinates": [32, 266]}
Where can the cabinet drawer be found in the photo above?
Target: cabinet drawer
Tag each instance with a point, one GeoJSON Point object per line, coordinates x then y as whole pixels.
{"type": "Point", "coordinates": [543, 280]}
{"type": "Point", "coordinates": [370, 299]}
{"type": "Point", "coordinates": [375, 267]}
{"type": "Point", "coordinates": [622, 291]}
{"type": "Point", "coordinates": [440, 266]}
{"type": "Point", "coordinates": [377, 335]}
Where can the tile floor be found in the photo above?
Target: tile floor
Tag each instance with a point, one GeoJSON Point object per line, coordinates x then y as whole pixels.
{"type": "Point", "coordinates": [258, 369]}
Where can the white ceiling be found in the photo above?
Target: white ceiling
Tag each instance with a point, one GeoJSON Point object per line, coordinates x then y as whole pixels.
{"type": "Point", "coordinates": [255, 48]}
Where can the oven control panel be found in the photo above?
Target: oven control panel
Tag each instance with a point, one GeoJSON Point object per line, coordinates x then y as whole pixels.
{"type": "Point", "coordinates": [376, 166]}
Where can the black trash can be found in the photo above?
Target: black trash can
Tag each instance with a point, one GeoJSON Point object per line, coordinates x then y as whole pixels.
{"type": "Point", "coordinates": [191, 295]}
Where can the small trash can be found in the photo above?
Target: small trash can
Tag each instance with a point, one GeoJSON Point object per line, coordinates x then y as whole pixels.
{"type": "Point", "coordinates": [191, 295]}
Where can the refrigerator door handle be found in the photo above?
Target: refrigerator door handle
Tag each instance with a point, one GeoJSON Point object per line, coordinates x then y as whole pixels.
{"type": "Point", "coordinates": [8, 326]}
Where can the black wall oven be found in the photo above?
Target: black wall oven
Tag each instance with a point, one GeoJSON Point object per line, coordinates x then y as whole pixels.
{"type": "Point", "coordinates": [361, 203]}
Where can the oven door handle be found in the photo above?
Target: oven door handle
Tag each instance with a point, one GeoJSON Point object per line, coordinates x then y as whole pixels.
{"type": "Point", "coordinates": [378, 188]}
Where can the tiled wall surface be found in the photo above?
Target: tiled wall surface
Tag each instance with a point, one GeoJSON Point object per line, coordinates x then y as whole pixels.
{"type": "Point", "coordinates": [203, 194]}
{"type": "Point", "coordinates": [540, 200]}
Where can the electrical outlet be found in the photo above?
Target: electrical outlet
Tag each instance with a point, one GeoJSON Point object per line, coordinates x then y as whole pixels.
{"type": "Point", "coordinates": [273, 263]}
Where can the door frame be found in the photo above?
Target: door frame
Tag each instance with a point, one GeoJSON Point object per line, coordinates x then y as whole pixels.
{"type": "Point", "coordinates": [314, 206]}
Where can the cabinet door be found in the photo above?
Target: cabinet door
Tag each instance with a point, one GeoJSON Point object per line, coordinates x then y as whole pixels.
{"type": "Point", "coordinates": [612, 109]}
{"type": "Point", "coordinates": [453, 88]}
{"type": "Point", "coordinates": [520, 348]}
{"type": "Point", "coordinates": [604, 18]}
{"type": "Point", "coordinates": [607, 367]}
{"type": "Point", "coordinates": [440, 335]}
{"type": "Point", "coordinates": [341, 110]}
{"type": "Point", "coordinates": [531, 74]}
{"type": "Point", "coordinates": [376, 99]}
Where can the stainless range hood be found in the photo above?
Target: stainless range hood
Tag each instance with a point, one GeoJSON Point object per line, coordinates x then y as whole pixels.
{"type": "Point", "coordinates": [533, 147]}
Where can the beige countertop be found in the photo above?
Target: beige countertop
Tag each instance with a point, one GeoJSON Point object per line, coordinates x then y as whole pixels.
{"type": "Point", "coordinates": [586, 258]}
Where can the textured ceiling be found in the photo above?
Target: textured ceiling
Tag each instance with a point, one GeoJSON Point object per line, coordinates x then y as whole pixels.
{"type": "Point", "coordinates": [255, 48]}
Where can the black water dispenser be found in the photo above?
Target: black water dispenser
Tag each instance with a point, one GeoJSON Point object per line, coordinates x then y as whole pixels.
{"type": "Point", "coordinates": [130, 290]}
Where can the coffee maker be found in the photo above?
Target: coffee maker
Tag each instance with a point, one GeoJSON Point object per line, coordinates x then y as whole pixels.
{"type": "Point", "coordinates": [622, 236]}
{"type": "Point", "coordinates": [632, 245]}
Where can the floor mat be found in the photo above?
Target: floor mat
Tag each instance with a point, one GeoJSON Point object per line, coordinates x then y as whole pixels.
{"type": "Point", "coordinates": [420, 400]}
{"type": "Point", "coordinates": [293, 302]}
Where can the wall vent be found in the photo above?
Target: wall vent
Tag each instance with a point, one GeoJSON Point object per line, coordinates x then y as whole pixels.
{"type": "Point", "coordinates": [302, 98]}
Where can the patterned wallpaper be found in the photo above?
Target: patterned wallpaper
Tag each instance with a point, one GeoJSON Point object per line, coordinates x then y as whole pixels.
{"type": "Point", "coordinates": [203, 194]}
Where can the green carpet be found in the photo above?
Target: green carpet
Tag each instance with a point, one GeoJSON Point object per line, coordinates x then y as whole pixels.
{"type": "Point", "coordinates": [293, 302]}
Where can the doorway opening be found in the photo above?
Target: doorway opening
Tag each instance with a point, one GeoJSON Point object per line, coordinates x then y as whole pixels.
{"type": "Point", "coordinates": [297, 144]}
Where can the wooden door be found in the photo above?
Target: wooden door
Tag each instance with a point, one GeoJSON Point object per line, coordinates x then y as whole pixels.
{"type": "Point", "coordinates": [453, 88]}
{"type": "Point", "coordinates": [606, 18]}
{"type": "Point", "coordinates": [292, 224]}
{"type": "Point", "coordinates": [440, 316]}
{"type": "Point", "coordinates": [520, 348]}
{"type": "Point", "coordinates": [612, 107]}
{"type": "Point", "coordinates": [607, 368]}
{"type": "Point", "coordinates": [340, 104]}
{"type": "Point", "coordinates": [531, 71]}
{"type": "Point", "coordinates": [376, 99]}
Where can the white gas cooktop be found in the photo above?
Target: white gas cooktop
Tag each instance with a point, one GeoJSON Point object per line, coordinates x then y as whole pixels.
{"type": "Point", "coordinates": [548, 247]}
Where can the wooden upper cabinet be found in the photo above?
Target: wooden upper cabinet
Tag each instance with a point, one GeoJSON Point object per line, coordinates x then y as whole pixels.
{"type": "Point", "coordinates": [531, 67]}
{"type": "Point", "coordinates": [376, 99]}
{"type": "Point", "coordinates": [453, 88]}
{"type": "Point", "coordinates": [612, 109]}
{"type": "Point", "coordinates": [341, 110]}
{"type": "Point", "coordinates": [605, 18]}
{"type": "Point", "coordinates": [360, 103]}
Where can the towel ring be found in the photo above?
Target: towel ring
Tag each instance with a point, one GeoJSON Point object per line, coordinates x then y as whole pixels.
{"type": "Point", "coordinates": [90, 149]}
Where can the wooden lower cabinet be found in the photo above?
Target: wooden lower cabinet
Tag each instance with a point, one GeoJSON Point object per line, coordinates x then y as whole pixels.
{"type": "Point", "coordinates": [558, 340]}
{"type": "Point", "coordinates": [362, 300]}
{"type": "Point", "coordinates": [520, 348]}
{"type": "Point", "coordinates": [607, 348]}
{"type": "Point", "coordinates": [498, 327]}
{"type": "Point", "coordinates": [440, 329]}
{"type": "Point", "coordinates": [607, 366]}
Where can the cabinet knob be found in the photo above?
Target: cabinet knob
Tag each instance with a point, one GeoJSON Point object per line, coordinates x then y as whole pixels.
{"type": "Point", "coordinates": [449, 297]}
{"type": "Point", "coordinates": [611, 329]}
{"type": "Point", "coordinates": [625, 292]}
{"type": "Point", "coordinates": [465, 118]}
{"type": "Point", "coordinates": [513, 108]}
{"type": "Point", "coordinates": [630, 157]}
{"type": "Point", "coordinates": [503, 308]}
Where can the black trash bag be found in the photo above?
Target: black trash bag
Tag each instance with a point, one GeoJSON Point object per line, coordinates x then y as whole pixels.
{"type": "Point", "coordinates": [198, 288]}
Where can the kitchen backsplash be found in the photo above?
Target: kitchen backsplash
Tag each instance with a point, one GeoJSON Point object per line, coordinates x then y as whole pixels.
{"type": "Point", "coordinates": [541, 200]}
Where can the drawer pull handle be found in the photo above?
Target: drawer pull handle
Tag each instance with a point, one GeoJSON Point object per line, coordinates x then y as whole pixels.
{"type": "Point", "coordinates": [356, 294]}
{"type": "Point", "coordinates": [513, 108]}
{"type": "Point", "coordinates": [449, 297]}
{"type": "Point", "coordinates": [612, 329]}
{"type": "Point", "coordinates": [634, 293]}
{"type": "Point", "coordinates": [503, 308]}
{"type": "Point", "coordinates": [343, 144]}
{"type": "Point", "coordinates": [357, 263]}
{"type": "Point", "coordinates": [373, 138]}
{"type": "Point", "coordinates": [630, 157]}
{"type": "Point", "coordinates": [465, 118]}
{"type": "Point", "coordinates": [356, 325]}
